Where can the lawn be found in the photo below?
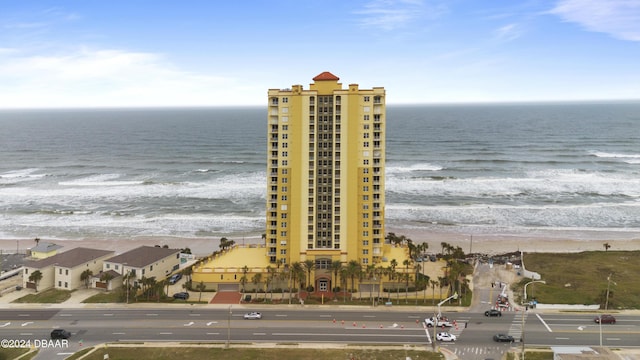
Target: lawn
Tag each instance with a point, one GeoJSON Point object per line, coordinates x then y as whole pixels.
{"type": "Point", "coordinates": [582, 278]}
{"type": "Point", "coordinates": [51, 296]}
{"type": "Point", "coordinates": [161, 353]}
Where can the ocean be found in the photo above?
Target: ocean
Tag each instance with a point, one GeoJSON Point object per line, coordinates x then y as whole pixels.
{"type": "Point", "coordinates": [200, 172]}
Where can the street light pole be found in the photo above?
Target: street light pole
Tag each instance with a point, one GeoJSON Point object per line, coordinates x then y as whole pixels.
{"type": "Point", "coordinates": [530, 282]}
{"type": "Point", "coordinates": [228, 329]}
{"type": "Point", "coordinates": [524, 298]}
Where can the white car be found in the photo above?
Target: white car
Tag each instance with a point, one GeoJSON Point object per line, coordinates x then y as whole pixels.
{"type": "Point", "coordinates": [253, 316]}
{"type": "Point", "coordinates": [445, 336]}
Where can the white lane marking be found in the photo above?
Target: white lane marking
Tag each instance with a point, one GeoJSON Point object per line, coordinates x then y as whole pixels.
{"type": "Point", "coordinates": [151, 314]}
{"type": "Point", "coordinates": [562, 338]}
{"type": "Point", "coordinates": [211, 322]}
{"type": "Point", "coordinates": [27, 323]}
{"type": "Point", "coordinates": [325, 315]}
{"type": "Point", "coordinates": [213, 333]}
{"type": "Point", "coordinates": [189, 323]}
{"type": "Point", "coordinates": [61, 315]}
{"type": "Point", "coordinates": [369, 316]}
{"type": "Point", "coordinates": [194, 314]}
{"type": "Point", "coordinates": [166, 333]}
{"type": "Point", "coordinates": [282, 315]}
{"type": "Point", "coordinates": [5, 324]}
{"type": "Point", "coordinates": [259, 333]}
{"type": "Point", "coordinates": [26, 334]}
{"type": "Point", "coordinates": [543, 323]}
{"type": "Point", "coordinates": [107, 314]}
{"type": "Point", "coordinates": [118, 333]}
{"type": "Point", "coordinates": [27, 315]}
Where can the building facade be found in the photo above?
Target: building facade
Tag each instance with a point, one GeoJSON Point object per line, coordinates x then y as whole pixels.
{"type": "Point", "coordinates": [63, 271]}
{"type": "Point", "coordinates": [325, 176]}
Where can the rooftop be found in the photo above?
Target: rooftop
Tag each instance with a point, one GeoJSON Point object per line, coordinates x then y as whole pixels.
{"type": "Point", "coordinates": [70, 259]}
{"type": "Point", "coordinates": [143, 256]}
{"type": "Point", "coordinates": [326, 76]}
{"type": "Point", "coordinates": [44, 246]}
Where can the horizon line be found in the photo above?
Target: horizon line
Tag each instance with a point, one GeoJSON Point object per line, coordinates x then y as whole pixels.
{"type": "Point", "coordinates": [398, 104]}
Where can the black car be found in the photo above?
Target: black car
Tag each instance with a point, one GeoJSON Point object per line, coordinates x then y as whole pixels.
{"type": "Point", "coordinates": [503, 338]}
{"type": "Point", "coordinates": [60, 334]}
{"type": "Point", "coordinates": [181, 295]}
{"type": "Point", "coordinates": [493, 312]}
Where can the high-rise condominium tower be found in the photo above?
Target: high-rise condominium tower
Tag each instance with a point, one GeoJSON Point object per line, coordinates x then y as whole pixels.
{"type": "Point", "coordinates": [325, 175]}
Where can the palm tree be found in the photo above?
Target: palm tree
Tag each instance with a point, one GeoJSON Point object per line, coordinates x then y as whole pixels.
{"type": "Point", "coordinates": [309, 265]}
{"type": "Point", "coordinates": [106, 277]}
{"type": "Point", "coordinates": [297, 275]}
{"type": "Point", "coordinates": [85, 277]}
{"type": "Point", "coordinates": [226, 243]}
{"type": "Point", "coordinates": [256, 279]}
{"type": "Point", "coordinates": [35, 278]}
{"type": "Point", "coordinates": [380, 272]}
{"type": "Point", "coordinates": [353, 269]}
{"type": "Point", "coordinates": [607, 246]}
{"type": "Point", "coordinates": [200, 287]}
{"type": "Point", "coordinates": [243, 279]}
{"type": "Point", "coordinates": [127, 277]}
{"type": "Point", "coordinates": [269, 280]}
{"type": "Point", "coordinates": [433, 283]}
{"type": "Point", "coordinates": [370, 272]}
{"type": "Point", "coordinates": [336, 266]}
{"type": "Point", "coordinates": [406, 263]}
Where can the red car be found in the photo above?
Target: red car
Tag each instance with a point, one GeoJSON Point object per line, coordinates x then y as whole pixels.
{"type": "Point", "coordinates": [605, 319]}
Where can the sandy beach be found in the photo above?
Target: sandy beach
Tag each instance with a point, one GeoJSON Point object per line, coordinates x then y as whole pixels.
{"type": "Point", "coordinates": [487, 244]}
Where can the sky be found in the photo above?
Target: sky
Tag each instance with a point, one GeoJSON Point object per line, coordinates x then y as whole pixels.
{"type": "Point", "coordinates": [143, 53]}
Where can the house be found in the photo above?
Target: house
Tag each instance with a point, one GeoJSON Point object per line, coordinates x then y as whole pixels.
{"type": "Point", "coordinates": [63, 271]}
{"type": "Point", "coordinates": [144, 261]}
{"type": "Point", "coordinates": [44, 250]}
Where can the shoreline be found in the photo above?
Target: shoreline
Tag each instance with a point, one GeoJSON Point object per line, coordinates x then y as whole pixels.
{"type": "Point", "coordinates": [552, 242]}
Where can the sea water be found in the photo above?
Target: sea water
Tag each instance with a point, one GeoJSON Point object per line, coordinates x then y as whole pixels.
{"type": "Point", "coordinates": [200, 172]}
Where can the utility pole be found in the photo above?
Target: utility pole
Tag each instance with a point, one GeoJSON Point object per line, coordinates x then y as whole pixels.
{"type": "Point", "coordinates": [606, 302]}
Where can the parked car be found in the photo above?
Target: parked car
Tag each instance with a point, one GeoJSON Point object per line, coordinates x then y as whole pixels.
{"type": "Point", "coordinates": [503, 338]}
{"type": "Point", "coordinates": [605, 319]}
{"type": "Point", "coordinates": [253, 316]}
{"type": "Point", "coordinates": [60, 334]}
{"type": "Point", "coordinates": [175, 278]}
{"type": "Point", "coordinates": [493, 312]}
{"type": "Point", "coordinates": [181, 295]}
{"type": "Point", "coordinates": [442, 321]}
{"type": "Point", "coordinates": [445, 336]}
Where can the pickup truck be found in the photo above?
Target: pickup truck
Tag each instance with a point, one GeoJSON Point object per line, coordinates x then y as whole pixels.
{"type": "Point", "coordinates": [443, 321]}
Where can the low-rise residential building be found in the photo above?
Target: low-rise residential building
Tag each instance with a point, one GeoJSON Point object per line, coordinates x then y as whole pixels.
{"type": "Point", "coordinates": [63, 271]}
{"type": "Point", "coordinates": [44, 250]}
{"type": "Point", "coordinates": [144, 261]}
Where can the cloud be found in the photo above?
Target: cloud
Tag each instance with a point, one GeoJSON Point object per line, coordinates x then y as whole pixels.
{"type": "Point", "coordinates": [508, 32]}
{"type": "Point", "coordinates": [618, 18]}
{"type": "Point", "coordinates": [104, 78]}
{"type": "Point", "coordinates": [393, 14]}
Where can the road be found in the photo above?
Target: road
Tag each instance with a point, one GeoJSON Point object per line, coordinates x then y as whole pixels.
{"type": "Point", "coordinates": [474, 330]}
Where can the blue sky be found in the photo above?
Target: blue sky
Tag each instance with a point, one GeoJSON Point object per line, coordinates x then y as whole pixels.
{"type": "Point", "coordinates": [212, 53]}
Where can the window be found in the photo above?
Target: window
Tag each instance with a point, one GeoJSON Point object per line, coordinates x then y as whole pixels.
{"type": "Point", "coordinates": [366, 99]}
{"type": "Point", "coordinates": [285, 100]}
{"type": "Point", "coordinates": [66, 271]}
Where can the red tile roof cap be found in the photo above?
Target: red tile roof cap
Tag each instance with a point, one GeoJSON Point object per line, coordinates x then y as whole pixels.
{"type": "Point", "coordinates": [326, 76]}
